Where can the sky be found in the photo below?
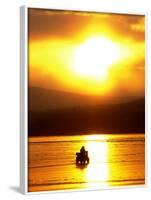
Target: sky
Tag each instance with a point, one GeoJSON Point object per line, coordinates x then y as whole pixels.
{"type": "Point", "coordinates": [88, 53]}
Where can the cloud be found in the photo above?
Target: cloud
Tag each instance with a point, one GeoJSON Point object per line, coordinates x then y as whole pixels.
{"type": "Point", "coordinates": [46, 24]}
{"type": "Point", "coordinates": [127, 26]}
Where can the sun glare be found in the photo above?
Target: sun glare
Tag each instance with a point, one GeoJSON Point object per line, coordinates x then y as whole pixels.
{"type": "Point", "coordinates": [98, 153]}
{"type": "Point", "coordinates": [95, 56]}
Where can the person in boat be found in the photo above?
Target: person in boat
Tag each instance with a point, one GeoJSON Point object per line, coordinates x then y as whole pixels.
{"type": "Point", "coordinates": [82, 156]}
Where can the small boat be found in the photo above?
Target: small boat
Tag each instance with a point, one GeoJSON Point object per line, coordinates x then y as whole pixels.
{"type": "Point", "coordinates": [82, 158]}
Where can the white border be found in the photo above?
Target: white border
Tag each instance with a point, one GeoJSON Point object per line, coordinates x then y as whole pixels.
{"type": "Point", "coordinates": [24, 92]}
{"type": "Point", "coordinates": [23, 100]}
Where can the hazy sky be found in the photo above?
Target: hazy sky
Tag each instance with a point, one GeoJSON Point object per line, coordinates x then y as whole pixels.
{"type": "Point", "coordinates": [92, 53]}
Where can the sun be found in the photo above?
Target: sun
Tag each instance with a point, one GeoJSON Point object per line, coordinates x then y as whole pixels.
{"type": "Point", "coordinates": [94, 57]}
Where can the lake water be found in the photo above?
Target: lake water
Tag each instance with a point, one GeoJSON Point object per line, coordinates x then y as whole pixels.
{"type": "Point", "coordinates": [115, 160]}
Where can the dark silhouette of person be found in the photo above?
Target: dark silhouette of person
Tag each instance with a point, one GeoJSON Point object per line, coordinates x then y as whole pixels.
{"type": "Point", "coordinates": [82, 151]}
{"type": "Point", "coordinates": [82, 156]}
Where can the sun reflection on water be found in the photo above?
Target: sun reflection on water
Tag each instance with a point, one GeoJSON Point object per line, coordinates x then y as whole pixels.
{"type": "Point", "coordinates": [97, 171]}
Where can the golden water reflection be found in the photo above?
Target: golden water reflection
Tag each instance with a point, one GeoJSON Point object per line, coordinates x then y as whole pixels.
{"type": "Point", "coordinates": [115, 160]}
{"type": "Point", "coordinates": [97, 171]}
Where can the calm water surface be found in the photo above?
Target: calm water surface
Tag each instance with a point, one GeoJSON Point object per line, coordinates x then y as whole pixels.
{"type": "Point", "coordinates": [115, 160]}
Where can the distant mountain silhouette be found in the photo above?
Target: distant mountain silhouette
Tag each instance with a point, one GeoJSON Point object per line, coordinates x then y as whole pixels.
{"type": "Point", "coordinates": [43, 99]}
{"type": "Point", "coordinates": [76, 116]}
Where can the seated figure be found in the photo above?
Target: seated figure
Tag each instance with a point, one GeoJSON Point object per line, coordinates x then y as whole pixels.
{"type": "Point", "coordinates": [82, 157]}
{"type": "Point", "coordinates": [82, 150]}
